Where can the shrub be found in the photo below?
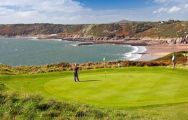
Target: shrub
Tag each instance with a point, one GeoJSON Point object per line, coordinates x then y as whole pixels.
{"type": "Point", "coordinates": [81, 112]}
{"type": "Point", "coordinates": [2, 87]}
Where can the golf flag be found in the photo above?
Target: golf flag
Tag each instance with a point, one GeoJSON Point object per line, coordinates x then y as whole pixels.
{"type": "Point", "coordinates": [104, 59]}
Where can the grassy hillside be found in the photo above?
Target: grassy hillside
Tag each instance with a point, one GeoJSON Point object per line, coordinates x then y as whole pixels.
{"type": "Point", "coordinates": [125, 93]}
{"type": "Point", "coordinates": [180, 58]}
{"type": "Point", "coordinates": [167, 29]}
{"type": "Point", "coordinates": [98, 30]}
{"type": "Point", "coordinates": [37, 29]}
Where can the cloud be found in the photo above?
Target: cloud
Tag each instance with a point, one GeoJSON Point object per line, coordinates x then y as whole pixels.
{"type": "Point", "coordinates": [61, 11]}
{"type": "Point", "coordinates": [171, 7]}
{"type": "Point", "coordinates": [170, 1]}
{"type": "Point", "coordinates": [174, 9]}
{"type": "Point", "coordinates": [168, 10]}
{"type": "Point", "coordinates": [73, 12]}
{"type": "Point", "coordinates": [17, 11]}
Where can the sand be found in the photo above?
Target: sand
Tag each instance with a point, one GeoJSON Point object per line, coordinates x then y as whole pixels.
{"type": "Point", "coordinates": [157, 51]}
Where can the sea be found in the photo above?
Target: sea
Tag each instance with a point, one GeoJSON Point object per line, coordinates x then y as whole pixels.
{"type": "Point", "coordinates": [33, 51]}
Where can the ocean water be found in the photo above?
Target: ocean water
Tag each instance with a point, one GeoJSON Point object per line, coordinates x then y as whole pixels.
{"type": "Point", "coordinates": [26, 51]}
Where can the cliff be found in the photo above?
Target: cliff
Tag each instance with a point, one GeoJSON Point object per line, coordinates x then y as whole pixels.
{"type": "Point", "coordinates": [166, 31]}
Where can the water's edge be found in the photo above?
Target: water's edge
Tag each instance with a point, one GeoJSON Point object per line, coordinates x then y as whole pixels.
{"type": "Point", "coordinates": [134, 54]}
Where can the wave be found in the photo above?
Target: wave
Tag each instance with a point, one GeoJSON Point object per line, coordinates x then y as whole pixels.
{"type": "Point", "coordinates": [74, 45]}
{"type": "Point", "coordinates": [135, 54]}
{"type": "Point", "coordinates": [39, 39]}
{"type": "Point", "coordinates": [59, 40]}
{"type": "Point", "coordinates": [16, 50]}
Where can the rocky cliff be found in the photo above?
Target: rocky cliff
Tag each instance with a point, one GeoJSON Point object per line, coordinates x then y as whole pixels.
{"type": "Point", "coordinates": [167, 32]}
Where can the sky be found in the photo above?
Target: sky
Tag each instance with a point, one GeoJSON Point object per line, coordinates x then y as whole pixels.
{"type": "Point", "coordinates": [90, 11]}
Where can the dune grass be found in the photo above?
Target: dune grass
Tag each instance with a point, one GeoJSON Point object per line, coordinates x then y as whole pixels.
{"type": "Point", "coordinates": [115, 88]}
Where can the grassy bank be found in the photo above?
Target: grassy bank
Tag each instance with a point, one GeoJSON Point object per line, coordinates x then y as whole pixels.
{"type": "Point", "coordinates": [180, 58]}
{"type": "Point", "coordinates": [13, 70]}
{"type": "Point", "coordinates": [18, 107]}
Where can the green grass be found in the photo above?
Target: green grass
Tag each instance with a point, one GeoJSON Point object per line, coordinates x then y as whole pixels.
{"type": "Point", "coordinates": [18, 107]}
{"type": "Point", "coordinates": [122, 88]}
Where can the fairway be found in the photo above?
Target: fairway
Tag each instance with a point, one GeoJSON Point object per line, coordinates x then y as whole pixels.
{"type": "Point", "coordinates": [119, 88]}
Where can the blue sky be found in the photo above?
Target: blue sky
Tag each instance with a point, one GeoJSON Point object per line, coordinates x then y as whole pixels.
{"type": "Point", "coordinates": [90, 11]}
{"type": "Point", "coordinates": [116, 4]}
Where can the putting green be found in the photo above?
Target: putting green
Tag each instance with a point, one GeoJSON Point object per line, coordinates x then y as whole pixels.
{"type": "Point", "coordinates": [123, 87]}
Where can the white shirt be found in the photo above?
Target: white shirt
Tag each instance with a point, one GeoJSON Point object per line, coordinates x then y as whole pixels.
{"type": "Point", "coordinates": [173, 58]}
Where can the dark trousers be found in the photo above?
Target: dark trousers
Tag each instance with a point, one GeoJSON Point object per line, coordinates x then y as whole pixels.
{"type": "Point", "coordinates": [76, 77]}
{"type": "Point", "coordinates": [174, 64]}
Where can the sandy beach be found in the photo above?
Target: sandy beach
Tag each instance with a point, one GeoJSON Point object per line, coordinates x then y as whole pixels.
{"type": "Point", "coordinates": [153, 48]}
{"type": "Point", "coordinates": [157, 51]}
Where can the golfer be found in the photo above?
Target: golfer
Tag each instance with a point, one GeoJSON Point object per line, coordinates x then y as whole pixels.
{"type": "Point", "coordinates": [174, 61]}
{"type": "Point", "coordinates": [76, 79]}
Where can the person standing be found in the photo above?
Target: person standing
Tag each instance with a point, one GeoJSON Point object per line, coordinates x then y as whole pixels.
{"type": "Point", "coordinates": [174, 61]}
{"type": "Point", "coordinates": [76, 68]}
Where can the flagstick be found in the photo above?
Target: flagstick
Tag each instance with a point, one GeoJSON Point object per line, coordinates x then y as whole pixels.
{"type": "Point", "coordinates": [105, 68]}
{"type": "Point", "coordinates": [104, 59]}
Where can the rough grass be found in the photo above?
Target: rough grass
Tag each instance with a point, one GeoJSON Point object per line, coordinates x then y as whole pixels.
{"type": "Point", "coordinates": [166, 30]}
{"type": "Point", "coordinates": [13, 70]}
{"type": "Point", "coordinates": [180, 58]}
{"type": "Point", "coordinates": [14, 106]}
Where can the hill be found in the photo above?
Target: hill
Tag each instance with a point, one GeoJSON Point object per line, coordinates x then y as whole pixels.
{"type": "Point", "coordinates": [180, 58]}
{"type": "Point", "coordinates": [93, 30]}
{"type": "Point", "coordinates": [115, 31]}
{"type": "Point", "coordinates": [169, 29]}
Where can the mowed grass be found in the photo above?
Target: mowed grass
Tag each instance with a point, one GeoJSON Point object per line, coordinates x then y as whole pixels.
{"type": "Point", "coordinates": [108, 88]}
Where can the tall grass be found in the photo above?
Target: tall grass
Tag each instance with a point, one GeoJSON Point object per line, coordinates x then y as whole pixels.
{"type": "Point", "coordinates": [6, 69]}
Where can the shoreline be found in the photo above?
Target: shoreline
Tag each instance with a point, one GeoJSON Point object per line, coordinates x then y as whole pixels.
{"type": "Point", "coordinates": [153, 49]}
{"type": "Point", "coordinates": [136, 54]}
{"type": "Point", "coordinates": [156, 51]}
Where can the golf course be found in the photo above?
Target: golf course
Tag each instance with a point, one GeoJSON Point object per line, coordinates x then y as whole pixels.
{"type": "Point", "coordinates": [117, 88]}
